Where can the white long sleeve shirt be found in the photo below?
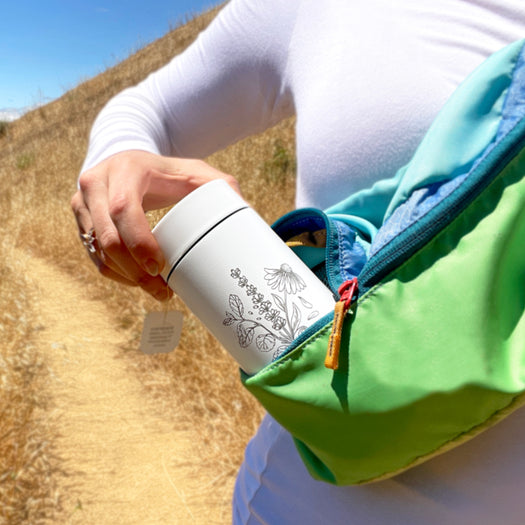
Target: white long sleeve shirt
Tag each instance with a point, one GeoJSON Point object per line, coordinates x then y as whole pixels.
{"type": "Point", "coordinates": [365, 79]}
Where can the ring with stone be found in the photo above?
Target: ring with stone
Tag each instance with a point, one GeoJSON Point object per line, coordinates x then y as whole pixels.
{"type": "Point", "coordinates": [88, 240]}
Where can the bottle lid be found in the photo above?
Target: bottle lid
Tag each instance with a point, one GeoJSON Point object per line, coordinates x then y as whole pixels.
{"type": "Point", "coordinates": [193, 217]}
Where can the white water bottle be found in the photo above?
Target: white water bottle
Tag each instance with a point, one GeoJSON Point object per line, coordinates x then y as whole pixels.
{"type": "Point", "coordinates": [237, 276]}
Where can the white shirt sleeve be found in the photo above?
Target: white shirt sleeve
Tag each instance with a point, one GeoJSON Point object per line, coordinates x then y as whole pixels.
{"type": "Point", "coordinates": [230, 83]}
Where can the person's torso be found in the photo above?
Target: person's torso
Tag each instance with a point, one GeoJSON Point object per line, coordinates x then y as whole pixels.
{"type": "Point", "coordinates": [368, 78]}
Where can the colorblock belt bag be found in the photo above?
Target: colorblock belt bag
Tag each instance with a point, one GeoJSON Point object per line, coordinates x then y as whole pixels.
{"type": "Point", "coordinates": [430, 265]}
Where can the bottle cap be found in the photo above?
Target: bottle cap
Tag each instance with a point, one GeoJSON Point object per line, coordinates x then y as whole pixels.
{"type": "Point", "coordinates": [193, 217]}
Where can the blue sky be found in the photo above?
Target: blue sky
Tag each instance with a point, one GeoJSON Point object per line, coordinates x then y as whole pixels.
{"type": "Point", "coordinates": [49, 46]}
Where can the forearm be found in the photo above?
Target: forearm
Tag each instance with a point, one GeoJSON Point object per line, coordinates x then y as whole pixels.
{"type": "Point", "coordinates": [230, 83]}
{"type": "Point", "coordinates": [130, 121]}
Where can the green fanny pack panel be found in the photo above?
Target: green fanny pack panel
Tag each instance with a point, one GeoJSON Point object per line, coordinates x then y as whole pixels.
{"type": "Point", "coordinates": [433, 349]}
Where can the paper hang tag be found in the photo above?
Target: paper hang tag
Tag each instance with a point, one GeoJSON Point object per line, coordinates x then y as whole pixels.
{"type": "Point", "coordinates": [161, 332]}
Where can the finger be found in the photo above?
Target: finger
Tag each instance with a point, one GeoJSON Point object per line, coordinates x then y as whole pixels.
{"type": "Point", "coordinates": [161, 293]}
{"type": "Point", "coordinates": [159, 290]}
{"type": "Point", "coordinates": [104, 263]}
{"type": "Point", "coordinates": [114, 247]}
{"type": "Point", "coordinates": [122, 209]}
{"type": "Point", "coordinates": [127, 214]}
{"type": "Point", "coordinates": [95, 195]}
{"type": "Point", "coordinates": [108, 272]}
{"type": "Point", "coordinates": [175, 178]}
{"type": "Point", "coordinates": [128, 272]}
{"type": "Point", "coordinates": [81, 213]}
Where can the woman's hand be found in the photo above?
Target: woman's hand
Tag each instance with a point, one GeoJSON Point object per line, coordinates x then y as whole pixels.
{"type": "Point", "coordinates": [110, 211]}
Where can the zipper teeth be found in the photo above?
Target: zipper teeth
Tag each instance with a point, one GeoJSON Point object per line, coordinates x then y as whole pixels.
{"type": "Point", "coordinates": [332, 233]}
{"type": "Point", "coordinates": [426, 228]}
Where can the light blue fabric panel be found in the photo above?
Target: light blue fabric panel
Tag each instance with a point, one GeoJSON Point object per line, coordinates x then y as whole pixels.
{"type": "Point", "coordinates": [352, 253]}
{"type": "Point", "coordinates": [365, 210]}
{"type": "Point", "coordinates": [514, 108]}
{"type": "Point", "coordinates": [419, 204]}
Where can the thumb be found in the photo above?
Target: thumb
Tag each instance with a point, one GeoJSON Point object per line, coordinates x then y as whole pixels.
{"type": "Point", "coordinates": [177, 178]}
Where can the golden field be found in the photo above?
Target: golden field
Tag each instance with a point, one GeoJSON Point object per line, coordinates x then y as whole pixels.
{"type": "Point", "coordinates": [197, 386]}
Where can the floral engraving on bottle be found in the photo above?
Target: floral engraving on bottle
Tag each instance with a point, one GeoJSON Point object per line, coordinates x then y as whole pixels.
{"type": "Point", "coordinates": [273, 323]}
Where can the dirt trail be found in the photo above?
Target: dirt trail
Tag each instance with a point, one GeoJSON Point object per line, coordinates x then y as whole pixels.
{"type": "Point", "coordinates": [122, 462]}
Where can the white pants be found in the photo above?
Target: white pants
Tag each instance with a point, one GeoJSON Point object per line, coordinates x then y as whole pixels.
{"type": "Point", "coordinates": [481, 482]}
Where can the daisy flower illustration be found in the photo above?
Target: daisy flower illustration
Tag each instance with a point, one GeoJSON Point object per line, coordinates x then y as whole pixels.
{"type": "Point", "coordinates": [284, 279]}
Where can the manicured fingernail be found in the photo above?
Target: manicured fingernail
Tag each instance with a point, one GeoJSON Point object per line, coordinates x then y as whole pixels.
{"type": "Point", "coordinates": [162, 295]}
{"type": "Point", "coordinates": [152, 267]}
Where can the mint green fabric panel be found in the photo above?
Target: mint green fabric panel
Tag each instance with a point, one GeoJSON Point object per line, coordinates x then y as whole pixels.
{"type": "Point", "coordinates": [464, 127]}
{"type": "Point", "coordinates": [432, 352]}
{"type": "Point", "coordinates": [370, 204]}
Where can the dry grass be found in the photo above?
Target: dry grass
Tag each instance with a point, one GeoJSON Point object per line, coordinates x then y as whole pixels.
{"type": "Point", "coordinates": [26, 482]}
{"type": "Point", "coordinates": [40, 156]}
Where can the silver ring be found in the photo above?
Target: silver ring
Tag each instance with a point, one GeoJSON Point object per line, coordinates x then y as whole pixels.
{"type": "Point", "coordinates": [88, 240]}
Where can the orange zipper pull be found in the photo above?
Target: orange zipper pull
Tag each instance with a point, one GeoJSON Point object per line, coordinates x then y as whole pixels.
{"type": "Point", "coordinates": [346, 293]}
